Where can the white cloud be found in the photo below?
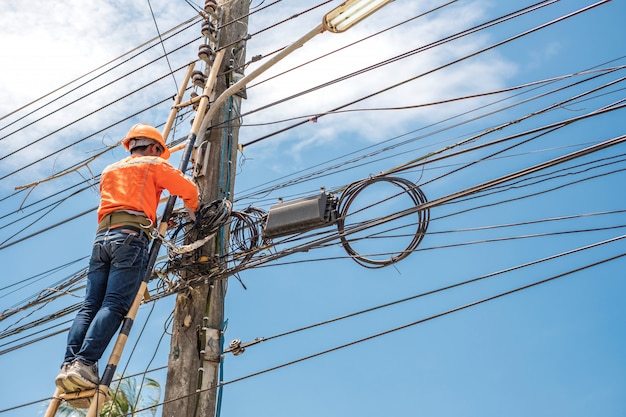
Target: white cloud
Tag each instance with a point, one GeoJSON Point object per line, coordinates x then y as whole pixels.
{"type": "Point", "coordinates": [48, 44]}
{"type": "Point", "coordinates": [490, 72]}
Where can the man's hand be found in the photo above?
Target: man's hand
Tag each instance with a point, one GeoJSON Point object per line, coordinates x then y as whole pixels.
{"type": "Point", "coordinates": [191, 214]}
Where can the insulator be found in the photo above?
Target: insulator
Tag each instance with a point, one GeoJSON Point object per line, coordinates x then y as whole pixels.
{"type": "Point", "coordinates": [205, 52]}
{"type": "Point", "coordinates": [210, 6]}
{"type": "Point", "coordinates": [207, 28]}
{"type": "Point", "coordinates": [198, 79]}
{"type": "Point", "coordinates": [236, 347]}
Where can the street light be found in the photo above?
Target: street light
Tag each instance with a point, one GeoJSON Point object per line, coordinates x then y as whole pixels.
{"type": "Point", "coordinates": [338, 20]}
{"type": "Point", "coordinates": [349, 13]}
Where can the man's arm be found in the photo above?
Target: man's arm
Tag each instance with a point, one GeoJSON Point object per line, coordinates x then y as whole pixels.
{"type": "Point", "coordinates": [176, 183]}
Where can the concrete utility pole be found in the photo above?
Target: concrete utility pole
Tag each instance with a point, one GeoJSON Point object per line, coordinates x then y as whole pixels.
{"type": "Point", "coordinates": [194, 360]}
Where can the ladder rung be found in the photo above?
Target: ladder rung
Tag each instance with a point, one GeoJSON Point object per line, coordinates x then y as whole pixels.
{"type": "Point", "coordinates": [78, 394]}
{"type": "Point", "coordinates": [82, 399]}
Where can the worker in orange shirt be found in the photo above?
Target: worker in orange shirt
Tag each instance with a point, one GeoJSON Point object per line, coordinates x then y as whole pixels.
{"type": "Point", "coordinates": [130, 192]}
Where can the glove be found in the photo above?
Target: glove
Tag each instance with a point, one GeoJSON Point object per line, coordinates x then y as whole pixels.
{"type": "Point", "coordinates": [191, 214]}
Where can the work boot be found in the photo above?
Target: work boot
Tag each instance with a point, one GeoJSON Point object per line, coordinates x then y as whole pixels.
{"type": "Point", "coordinates": [61, 379]}
{"type": "Point", "coordinates": [82, 376]}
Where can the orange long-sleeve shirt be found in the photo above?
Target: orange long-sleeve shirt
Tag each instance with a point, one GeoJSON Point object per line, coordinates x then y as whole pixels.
{"type": "Point", "coordinates": [136, 182]}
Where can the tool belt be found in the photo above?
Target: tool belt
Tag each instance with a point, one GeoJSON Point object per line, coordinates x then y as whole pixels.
{"type": "Point", "coordinates": [119, 219]}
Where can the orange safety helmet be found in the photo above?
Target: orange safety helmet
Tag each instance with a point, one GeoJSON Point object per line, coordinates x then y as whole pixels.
{"type": "Point", "coordinates": [144, 131]}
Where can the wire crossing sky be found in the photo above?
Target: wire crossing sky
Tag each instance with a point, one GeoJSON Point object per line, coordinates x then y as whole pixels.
{"type": "Point", "coordinates": [508, 119]}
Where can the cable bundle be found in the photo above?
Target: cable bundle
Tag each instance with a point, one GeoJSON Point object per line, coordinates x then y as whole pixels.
{"type": "Point", "coordinates": [348, 197]}
{"type": "Point", "coordinates": [245, 234]}
{"type": "Point", "coordinates": [210, 217]}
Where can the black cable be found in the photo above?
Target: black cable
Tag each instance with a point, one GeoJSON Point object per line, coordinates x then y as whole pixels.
{"type": "Point", "coordinates": [188, 22]}
{"type": "Point", "coordinates": [508, 123]}
{"type": "Point", "coordinates": [456, 61]}
{"type": "Point", "coordinates": [419, 162]}
{"type": "Point", "coordinates": [41, 275]}
{"type": "Point", "coordinates": [439, 102]}
{"type": "Point", "coordinates": [349, 196]}
{"type": "Point", "coordinates": [395, 329]}
{"type": "Point", "coordinates": [76, 88]}
{"type": "Point", "coordinates": [84, 138]}
{"type": "Point", "coordinates": [552, 233]}
{"type": "Point", "coordinates": [165, 53]}
{"type": "Point", "coordinates": [446, 288]}
{"type": "Point", "coordinates": [442, 200]}
{"type": "Point", "coordinates": [125, 96]}
{"type": "Point", "coordinates": [352, 44]}
{"type": "Point", "coordinates": [53, 226]}
{"type": "Point", "coordinates": [54, 203]}
{"type": "Point", "coordinates": [249, 14]}
{"type": "Point", "coordinates": [415, 51]}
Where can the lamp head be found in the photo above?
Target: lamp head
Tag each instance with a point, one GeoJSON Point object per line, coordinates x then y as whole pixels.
{"type": "Point", "coordinates": [349, 13]}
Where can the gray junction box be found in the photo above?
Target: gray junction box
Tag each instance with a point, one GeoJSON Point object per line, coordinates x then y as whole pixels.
{"type": "Point", "coordinates": [300, 216]}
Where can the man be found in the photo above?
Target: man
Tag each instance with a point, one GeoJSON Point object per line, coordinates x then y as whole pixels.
{"type": "Point", "coordinates": [130, 191]}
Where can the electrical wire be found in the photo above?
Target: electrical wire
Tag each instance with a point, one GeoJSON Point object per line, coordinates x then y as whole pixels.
{"type": "Point", "coordinates": [438, 290]}
{"type": "Point", "coordinates": [108, 84]}
{"type": "Point", "coordinates": [188, 22]}
{"type": "Point", "coordinates": [551, 233]}
{"type": "Point", "coordinates": [534, 262]}
{"type": "Point", "coordinates": [125, 96]}
{"type": "Point", "coordinates": [240, 242]}
{"type": "Point", "coordinates": [342, 163]}
{"type": "Point", "coordinates": [447, 101]}
{"type": "Point", "coordinates": [165, 53]}
{"type": "Point", "coordinates": [57, 225]}
{"type": "Point", "coordinates": [403, 327]}
{"type": "Point", "coordinates": [458, 35]}
{"type": "Point", "coordinates": [436, 202]}
{"type": "Point", "coordinates": [348, 197]}
{"type": "Point", "coordinates": [351, 44]}
{"type": "Point", "coordinates": [453, 62]}
{"type": "Point", "coordinates": [328, 170]}
{"type": "Point", "coordinates": [559, 104]}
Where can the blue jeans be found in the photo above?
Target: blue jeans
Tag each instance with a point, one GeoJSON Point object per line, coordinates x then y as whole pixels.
{"type": "Point", "coordinates": [116, 269]}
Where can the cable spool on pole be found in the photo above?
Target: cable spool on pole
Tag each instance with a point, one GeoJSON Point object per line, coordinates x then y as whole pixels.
{"type": "Point", "coordinates": [347, 199]}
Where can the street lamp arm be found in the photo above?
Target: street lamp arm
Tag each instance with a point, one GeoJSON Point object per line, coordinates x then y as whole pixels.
{"type": "Point", "coordinates": [340, 19]}
{"type": "Point", "coordinates": [239, 85]}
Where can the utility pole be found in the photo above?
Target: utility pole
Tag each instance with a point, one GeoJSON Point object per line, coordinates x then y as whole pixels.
{"type": "Point", "coordinates": [195, 347]}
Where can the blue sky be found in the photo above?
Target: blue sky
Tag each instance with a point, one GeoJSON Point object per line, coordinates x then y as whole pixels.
{"type": "Point", "coordinates": [554, 349]}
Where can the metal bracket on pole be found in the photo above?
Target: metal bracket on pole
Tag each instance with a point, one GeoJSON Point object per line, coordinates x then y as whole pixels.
{"type": "Point", "coordinates": [202, 162]}
{"type": "Point", "coordinates": [236, 347]}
